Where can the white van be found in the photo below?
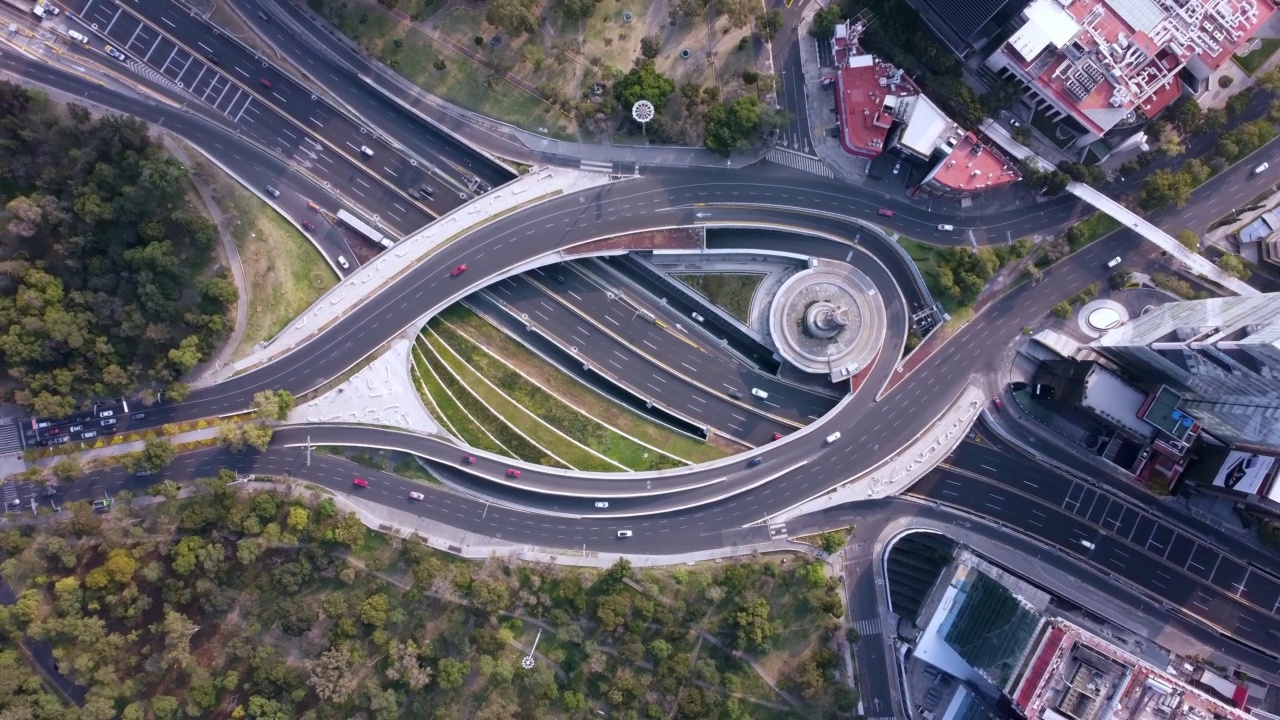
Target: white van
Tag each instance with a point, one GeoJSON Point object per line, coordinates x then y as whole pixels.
{"type": "Point", "coordinates": [78, 37]}
{"type": "Point", "coordinates": [1088, 544]}
{"type": "Point", "coordinates": [759, 393]}
{"type": "Point", "coordinates": [833, 437]}
{"type": "Point", "coordinates": [624, 533]}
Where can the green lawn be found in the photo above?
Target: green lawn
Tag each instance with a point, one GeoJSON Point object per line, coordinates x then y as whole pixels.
{"type": "Point", "coordinates": [925, 257]}
{"type": "Point", "coordinates": [518, 416]}
{"type": "Point", "coordinates": [1091, 228]}
{"type": "Point", "coordinates": [507, 353]}
{"type": "Point", "coordinates": [1254, 60]}
{"type": "Point", "coordinates": [449, 412]}
{"type": "Point", "coordinates": [730, 291]}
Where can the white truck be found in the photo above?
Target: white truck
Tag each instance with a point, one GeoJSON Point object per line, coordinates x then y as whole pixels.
{"type": "Point", "coordinates": [42, 8]}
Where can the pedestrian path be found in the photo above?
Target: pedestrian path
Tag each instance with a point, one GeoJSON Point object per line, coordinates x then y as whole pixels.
{"type": "Point", "coordinates": [10, 438]}
{"type": "Point", "coordinates": [799, 161]}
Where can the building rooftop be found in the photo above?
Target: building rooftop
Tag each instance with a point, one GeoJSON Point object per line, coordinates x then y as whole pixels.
{"type": "Point", "coordinates": [868, 93]}
{"type": "Point", "coordinates": [1109, 59]}
{"type": "Point", "coordinates": [1075, 674]}
{"type": "Point", "coordinates": [1109, 396]}
{"type": "Point", "coordinates": [973, 166]}
{"type": "Point", "coordinates": [1260, 229]}
{"type": "Point", "coordinates": [989, 627]}
{"type": "Point", "coordinates": [1161, 412]}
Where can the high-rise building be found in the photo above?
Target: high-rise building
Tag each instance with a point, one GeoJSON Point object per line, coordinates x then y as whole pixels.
{"type": "Point", "coordinates": [1222, 355]}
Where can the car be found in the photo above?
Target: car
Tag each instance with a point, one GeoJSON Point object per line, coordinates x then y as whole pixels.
{"type": "Point", "coordinates": [427, 190]}
{"type": "Point", "coordinates": [897, 167]}
{"type": "Point", "coordinates": [417, 496]}
{"type": "Point", "coordinates": [272, 191]}
{"type": "Point", "coordinates": [1114, 262]}
{"type": "Point", "coordinates": [49, 492]}
{"type": "Point", "coordinates": [1015, 122]}
{"type": "Point", "coordinates": [213, 59]}
{"type": "Point", "coordinates": [138, 416]}
{"type": "Point", "coordinates": [560, 279]}
{"type": "Point", "coordinates": [386, 243]}
{"type": "Point", "coordinates": [884, 212]}
{"type": "Point", "coordinates": [777, 436]}
{"type": "Point", "coordinates": [601, 504]}
{"type": "Point", "coordinates": [143, 473]}
{"type": "Point", "coordinates": [102, 505]}
{"type": "Point", "coordinates": [624, 533]}
{"type": "Point", "coordinates": [1261, 168]}
{"type": "Point", "coordinates": [309, 227]}
{"type": "Point", "coordinates": [512, 472]}
{"type": "Point", "coordinates": [343, 262]}
{"type": "Point", "coordinates": [78, 37]}
{"type": "Point", "coordinates": [360, 482]}
{"type": "Point", "coordinates": [264, 83]}
{"type": "Point", "coordinates": [697, 316]}
{"type": "Point", "coordinates": [947, 228]}
{"type": "Point", "coordinates": [107, 422]}
{"type": "Point", "coordinates": [754, 462]}
{"type": "Point", "coordinates": [998, 402]}
{"type": "Point", "coordinates": [265, 17]}
{"type": "Point", "coordinates": [106, 413]}
{"type": "Point", "coordinates": [54, 431]}
{"type": "Point", "coordinates": [469, 459]}
{"type": "Point", "coordinates": [735, 394]}
{"type": "Point", "coordinates": [1088, 544]}
{"type": "Point", "coordinates": [59, 440]}
{"type": "Point", "coordinates": [458, 270]}
{"type": "Point", "coordinates": [115, 53]}
{"type": "Point", "coordinates": [760, 393]}
{"type": "Point", "coordinates": [833, 437]}
{"type": "Point", "coordinates": [88, 434]}
{"type": "Point", "coordinates": [366, 151]}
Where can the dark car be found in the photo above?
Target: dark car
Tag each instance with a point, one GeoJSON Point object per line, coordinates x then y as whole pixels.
{"type": "Point", "coordinates": [307, 224]}
{"type": "Point", "coordinates": [754, 462]}
{"type": "Point", "coordinates": [138, 416]}
{"type": "Point", "coordinates": [469, 459]}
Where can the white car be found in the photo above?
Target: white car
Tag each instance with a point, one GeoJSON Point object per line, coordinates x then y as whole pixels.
{"type": "Point", "coordinates": [624, 533]}
{"type": "Point", "coordinates": [106, 413]}
{"type": "Point", "coordinates": [946, 227]}
{"type": "Point", "coordinates": [115, 53]}
{"type": "Point", "coordinates": [602, 504]}
{"type": "Point", "coordinates": [366, 151]}
{"type": "Point", "coordinates": [833, 437]}
{"type": "Point", "coordinates": [1261, 168]}
{"type": "Point", "coordinates": [759, 393]}
{"type": "Point", "coordinates": [417, 496]}
{"type": "Point", "coordinates": [1114, 262]}
{"type": "Point", "coordinates": [343, 262]}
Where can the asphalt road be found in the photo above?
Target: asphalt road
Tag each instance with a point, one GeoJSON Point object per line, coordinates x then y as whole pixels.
{"type": "Point", "coordinates": [339, 70]}
{"type": "Point", "coordinates": [261, 101]}
{"type": "Point", "coordinates": [1120, 539]}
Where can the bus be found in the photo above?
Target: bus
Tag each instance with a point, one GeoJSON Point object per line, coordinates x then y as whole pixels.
{"type": "Point", "coordinates": [361, 227]}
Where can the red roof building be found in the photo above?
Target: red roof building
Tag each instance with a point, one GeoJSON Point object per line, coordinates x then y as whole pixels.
{"type": "Point", "coordinates": [1106, 63]}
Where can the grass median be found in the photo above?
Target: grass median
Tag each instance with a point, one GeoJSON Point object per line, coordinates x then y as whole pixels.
{"type": "Point", "coordinates": [516, 415]}
{"type": "Point", "coordinates": [450, 413]}
{"type": "Point", "coordinates": [518, 446]}
{"type": "Point", "coordinates": [563, 402]}
{"type": "Point", "coordinates": [731, 292]}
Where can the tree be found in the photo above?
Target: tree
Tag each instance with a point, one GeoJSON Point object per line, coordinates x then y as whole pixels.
{"type": "Point", "coordinates": [733, 125]}
{"type": "Point", "coordinates": [450, 673]}
{"type": "Point", "coordinates": [768, 23]}
{"type": "Point", "coordinates": [332, 675]}
{"type": "Point", "coordinates": [299, 518]}
{"type": "Point", "coordinates": [373, 611]}
{"type": "Point", "coordinates": [272, 404]}
{"type": "Point", "coordinates": [1165, 187]}
{"type": "Point", "coordinates": [1033, 274]}
{"type": "Point", "coordinates": [404, 663]}
{"type": "Point", "coordinates": [155, 455]}
{"type": "Point", "coordinates": [489, 596]}
{"type": "Point", "coordinates": [644, 82]}
{"type": "Point", "coordinates": [1062, 310]}
{"type": "Point", "coordinates": [575, 10]}
{"type": "Point", "coordinates": [1003, 95]}
{"type": "Point", "coordinates": [514, 17]}
{"type": "Point", "coordinates": [753, 631]}
{"type": "Point", "coordinates": [1235, 266]}
{"type": "Point", "coordinates": [831, 542]}
{"type": "Point", "coordinates": [350, 531]}
{"type": "Point", "coordinates": [650, 46]}
{"type": "Point", "coordinates": [825, 22]}
{"type": "Point", "coordinates": [257, 435]}
{"type": "Point", "coordinates": [737, 12]}
{"type": "Point", "coordinates": [67, 469]}
{"type": "Point", "coordinates": [1189, 239]}
{"type": "Point", "coordinates": [1185, 112]}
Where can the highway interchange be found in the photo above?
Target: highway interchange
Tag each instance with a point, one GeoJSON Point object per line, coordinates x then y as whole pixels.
{"type": "Point", "coordinates": [701, 507]}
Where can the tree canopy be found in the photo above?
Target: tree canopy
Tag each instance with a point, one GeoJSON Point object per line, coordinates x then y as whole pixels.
{"type": "Point", "coordinates": [644, 82]}
{"type": "Point", "coordinates": [103, 264]}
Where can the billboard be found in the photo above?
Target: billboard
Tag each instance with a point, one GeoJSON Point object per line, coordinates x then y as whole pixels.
{"type": "Point", "coordinates": [1244, 471]}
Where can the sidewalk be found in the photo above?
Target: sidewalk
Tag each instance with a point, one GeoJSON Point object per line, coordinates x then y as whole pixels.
{"type": "Point", "coordinates": [233, 260]}
{"type": "Point", "coordinates": [528, 190]}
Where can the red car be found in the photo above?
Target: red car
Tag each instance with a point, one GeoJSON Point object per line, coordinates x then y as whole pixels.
{"type": "Point", "coordinates": [777, 436]}
{"type": "Point", "coordinates": [469, 459]}
{"type": "Point", "coordinates": [512, 472]}
{"type": "Point", "coordinates": [459, 270]}
{"type": "Point", "coordinates": [264, 82]}
{"type": "Point", "coordinates": [999, 403]}
{"type": "Point", "coordinates": [360, 482]}
{"type": "Point", "coordinates": [885, 212]}
{"type": "Point", "coordinates": [307, 224]}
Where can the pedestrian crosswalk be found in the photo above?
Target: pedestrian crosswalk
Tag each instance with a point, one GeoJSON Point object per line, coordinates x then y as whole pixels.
{"type": "Point", "coordinates": [600, 166]}
{"type": "Point", "coordinates": [10, 438]}
{"type": "Point", "coordinates": [778, 531]}
{"type": "Point", "coordinates": [154, 76]}
{"type": "Point", "coordinates": [799, 161]}
{"type": "Point", "coordinates": [865, 628]}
